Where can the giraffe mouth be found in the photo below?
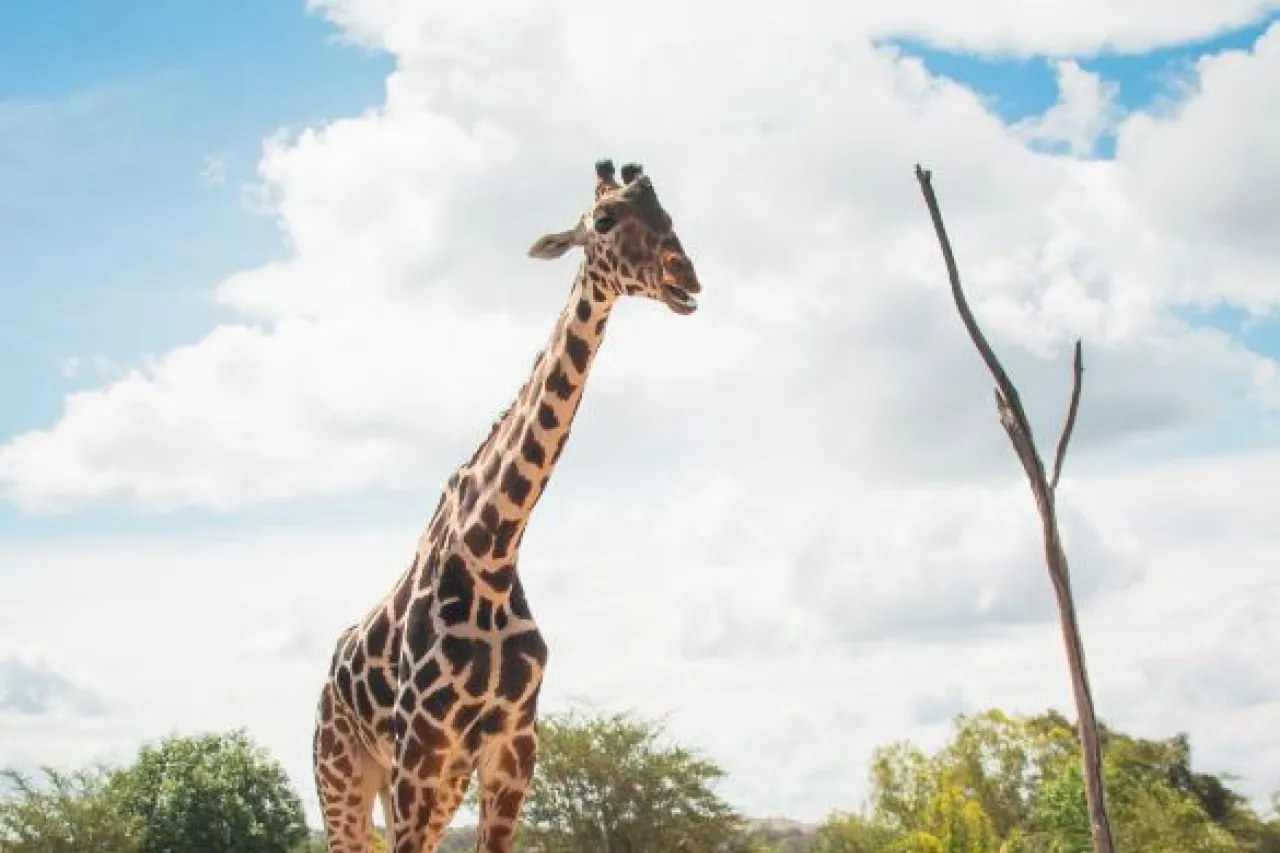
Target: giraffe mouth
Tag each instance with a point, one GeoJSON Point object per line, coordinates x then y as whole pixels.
{"type": "Point", "coordinates": [678, 299]}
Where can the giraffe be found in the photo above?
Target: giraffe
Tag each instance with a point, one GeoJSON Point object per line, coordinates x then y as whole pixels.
{"type": "Point", "coordinates": [441, 678]}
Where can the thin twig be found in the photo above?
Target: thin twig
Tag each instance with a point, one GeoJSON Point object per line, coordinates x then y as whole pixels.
{"type": "Point", "coordinates": [1003, 383]}
{"type": "Point", "coordinates": [1014, 420]}
{"type": "Point", "coordinates": [1077, 374]}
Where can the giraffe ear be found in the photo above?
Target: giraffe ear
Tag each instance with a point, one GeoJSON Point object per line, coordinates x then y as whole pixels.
{"type": "Point", "coordinates": [551, 246]}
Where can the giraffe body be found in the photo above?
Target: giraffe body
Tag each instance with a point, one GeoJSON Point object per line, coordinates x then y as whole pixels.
{"type": "Point", "coordinates": [440, 679]}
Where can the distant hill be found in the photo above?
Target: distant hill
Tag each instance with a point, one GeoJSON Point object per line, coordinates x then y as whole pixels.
{"type": "Point", "coordinates": [793, 835]}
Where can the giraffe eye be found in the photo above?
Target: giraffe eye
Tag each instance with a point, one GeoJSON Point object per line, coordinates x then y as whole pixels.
{"type": "Point", "coordinates": [604, 224]}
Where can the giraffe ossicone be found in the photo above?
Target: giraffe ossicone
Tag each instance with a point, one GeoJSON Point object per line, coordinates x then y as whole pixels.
{"type": "Point", "coordinates": [440, 679]}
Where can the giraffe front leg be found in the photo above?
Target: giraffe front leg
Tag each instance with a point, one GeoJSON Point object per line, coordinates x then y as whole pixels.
{"type": "Point", "coordinates": [428, 783]}
{"type": "Point", "coordinates": [506, 775]}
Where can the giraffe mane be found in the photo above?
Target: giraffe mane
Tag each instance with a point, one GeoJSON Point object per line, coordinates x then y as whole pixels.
{"type": "Point", "coordinates": [493, 431]}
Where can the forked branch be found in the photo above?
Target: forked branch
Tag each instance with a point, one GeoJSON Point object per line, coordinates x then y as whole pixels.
{"type": "Point", "coordinates": [1077, 376]}
{"type": "Point", "coordinates": [1014, 420]}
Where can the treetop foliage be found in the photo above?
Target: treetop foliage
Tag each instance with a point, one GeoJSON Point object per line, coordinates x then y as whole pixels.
{"type": "Point", "coordinates": [615, 783]}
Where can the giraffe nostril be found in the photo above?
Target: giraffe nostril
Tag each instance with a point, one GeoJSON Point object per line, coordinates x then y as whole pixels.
{"type": "Point", "coordinates": [679, 272]}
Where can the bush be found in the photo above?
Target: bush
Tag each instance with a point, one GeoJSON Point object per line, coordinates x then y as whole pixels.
{"type": "Point", "coordinates": [607, 784]}
{"type": "Point", "coordinates": [76, 812]}
{"type": "Point", "coordinates": [215, 793]}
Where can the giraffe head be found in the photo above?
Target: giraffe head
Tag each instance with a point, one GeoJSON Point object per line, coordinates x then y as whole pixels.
{"type": "Point", "coordinates": [631, 248]}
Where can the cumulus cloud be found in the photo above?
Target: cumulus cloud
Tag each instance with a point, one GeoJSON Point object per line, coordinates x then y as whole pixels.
{"type": "Point", "coordinates": [1186, 645]}
{"type": "Point", "coordinates": [33, 688]}
{"type": "Point", "coordinates": [1060, 27]}
{"type": "Point", "coordinates": [406, 313]}
{"type": "Point", "coordinates": [1203, 167]}
{"type": "Point", "coordinates": [1055, 26]}
{"type": "Point", "coordinates": [965, 563]}
{"type": "Point", "coordinates": [943, 707]}
{"type": "Point", "coordinates": [1086, 111]}
{"type": "Point", "coordinates": [874, 566]}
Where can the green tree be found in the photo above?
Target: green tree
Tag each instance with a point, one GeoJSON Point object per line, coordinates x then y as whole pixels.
{"type": "Point", "coordinates": [214, 793]}
{"type": "Point", "coordinates": [76, 812]}
{"type": "Point", "coordinates": [978, 788]}
{"type": "Point", "coordinates": [1003, 760]}
{"type": "Point", "coordinates": [916, 841]}
{"type": "Point", "coordinates": [608, 784]}
{"type": "Point", "coordinates": [850, 832]}
{"type": "Point", "coordinates": [997, 760]}
{"type": "Point", "coordinates": [953, 822]}
{"type": "Point", "coordinates": [1061, 818]}
{"type": "Point", "coordinates": [1149, 815]}
{"type": "Point", "coordinates": [319, 845]}
{"type": "Point", "coordinates": [960, 821]}
{"type": "Point", "coordinates": [1162, 803]}
{"type": "Point", "coordinates": [904, 784]}
{"type": "Point", "coordinates": [1023, 774]}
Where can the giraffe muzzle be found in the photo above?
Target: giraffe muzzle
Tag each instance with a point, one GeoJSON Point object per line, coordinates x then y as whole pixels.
{"type": "Point", "coordinates": [678, 299]}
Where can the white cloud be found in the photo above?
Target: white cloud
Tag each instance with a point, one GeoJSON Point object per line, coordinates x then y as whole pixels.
{"type": "Point", "coordinates": [1060, 27]}
{"type": "Point", "coordinates": [1086, 111]}
{"type": "Point", "coordinates": [1205, 170]}
{"type": "Point", "coordinates": [374, 354]}
{"type": "Point", "coordinates": [246, 624]}
{"type": "Point", "coordinates": [933, 709]}
{"type": "Point", "coordinates": [33, 688]}
{"type": "Point", "coordinates": [1051, 26]}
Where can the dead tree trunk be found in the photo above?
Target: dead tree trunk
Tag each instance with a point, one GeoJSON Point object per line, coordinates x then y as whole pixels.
{"type": "Point", "coordinates": [1014, 420]}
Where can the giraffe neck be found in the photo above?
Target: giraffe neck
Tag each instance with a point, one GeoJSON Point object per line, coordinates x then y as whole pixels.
{"type": "Point", "coordinates": [499, 488]}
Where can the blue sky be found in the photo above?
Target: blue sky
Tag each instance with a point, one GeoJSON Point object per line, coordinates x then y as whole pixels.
{"type": "Point", "coordinates": [1018, 87]}
{"type": "Point", "coordinates": [110, 239]}
{"type": "Point", "coordinates": [1024, 86]}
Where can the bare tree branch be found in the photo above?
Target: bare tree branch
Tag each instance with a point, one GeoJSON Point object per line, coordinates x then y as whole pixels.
{"type": "Point", "coordinates": [1077, 376]}
{"type": "Point", "coordinates": [1014, 420]}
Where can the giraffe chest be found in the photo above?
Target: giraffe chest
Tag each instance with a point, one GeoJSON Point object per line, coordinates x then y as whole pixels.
{"type": "Point", "coordinates": [446, 658]}
{"type": "Point", "coordinates": [456, 646]}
